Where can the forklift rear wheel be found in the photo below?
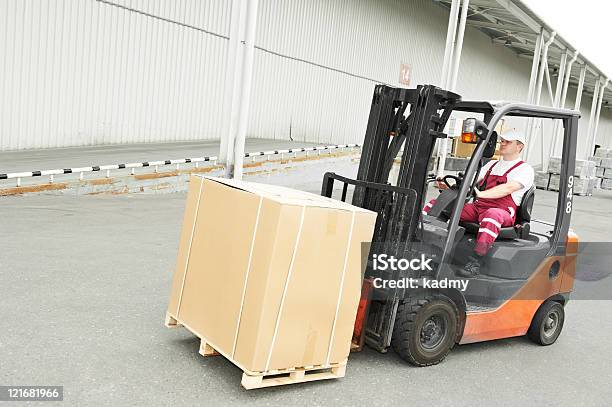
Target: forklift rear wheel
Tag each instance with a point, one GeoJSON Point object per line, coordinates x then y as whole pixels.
{"type": "Point", "coordinates": [547, 323]}
{"type": "Point", "coordinates": [425, 329]}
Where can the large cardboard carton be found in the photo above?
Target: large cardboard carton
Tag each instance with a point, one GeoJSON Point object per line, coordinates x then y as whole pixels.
{"type": "Point", "coordinates": [268, 276]}
{"type": "Point", "coordinates": [466, 150]}
{"type": "Point", "coordinates": [461, 149]}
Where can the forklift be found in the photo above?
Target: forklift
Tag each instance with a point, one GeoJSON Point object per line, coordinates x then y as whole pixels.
{"type": "Point", "coordinates": [528, 274]}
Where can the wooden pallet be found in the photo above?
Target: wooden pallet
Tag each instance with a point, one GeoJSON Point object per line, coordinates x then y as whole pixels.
{"type": "Point", "coordinates": [257, 380]}
{"type": "Point", "coordinates": [292, 376]}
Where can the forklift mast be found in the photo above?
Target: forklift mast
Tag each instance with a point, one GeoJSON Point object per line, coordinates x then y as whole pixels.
{"type": "Point", "coordinates": [408, 117]}
{"type": "Point", "coordinates": [414, 119]}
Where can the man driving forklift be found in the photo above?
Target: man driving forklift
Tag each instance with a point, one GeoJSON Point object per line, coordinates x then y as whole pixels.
{"type": "Point", "coordinates": [500, 189]}
{"type": "Point", "coordinates": [530, 271]}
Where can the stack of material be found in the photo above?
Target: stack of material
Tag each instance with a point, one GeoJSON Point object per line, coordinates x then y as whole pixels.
{"type": "Point", "coordinates": [456, 163]}
{"type": "Point", "coordinates": [270, 278]}
{"type": "Point", "coordinates": [603, 161]}
{"type": "Point", "coordinates": [584, 176]}
{"type": "Point", "coordinates": [542, 179]}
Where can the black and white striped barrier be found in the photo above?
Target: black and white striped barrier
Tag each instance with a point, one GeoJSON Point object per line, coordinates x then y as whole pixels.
{"type": "Point", "coordinates": [196, 161]}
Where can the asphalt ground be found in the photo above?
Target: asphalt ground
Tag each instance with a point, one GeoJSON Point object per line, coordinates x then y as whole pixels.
{"type": "Point", "coordinates": [85, 282]}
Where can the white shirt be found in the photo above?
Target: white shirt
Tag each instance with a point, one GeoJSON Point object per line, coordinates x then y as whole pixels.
{"type": "Point", "coordinates": [523, 174]}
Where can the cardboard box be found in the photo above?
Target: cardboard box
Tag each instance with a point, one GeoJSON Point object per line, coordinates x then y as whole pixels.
{"type": "Point", "coordinates": [268, 276]}
{"type": "Point", "coordinates": [461, 149]}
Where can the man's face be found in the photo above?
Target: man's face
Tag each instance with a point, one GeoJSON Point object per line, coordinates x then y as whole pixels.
{"type": "Point", "coordinates": [509, 147]}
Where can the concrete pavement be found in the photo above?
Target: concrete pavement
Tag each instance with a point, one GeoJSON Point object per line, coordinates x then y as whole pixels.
{"type": "Point", "coordinates": [85, 283]}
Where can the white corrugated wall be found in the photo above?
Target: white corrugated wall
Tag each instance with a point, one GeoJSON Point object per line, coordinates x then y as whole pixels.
{"type": "Point", "coordinates": [84, 72]}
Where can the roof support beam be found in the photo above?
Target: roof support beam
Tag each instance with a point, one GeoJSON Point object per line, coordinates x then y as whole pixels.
{"type": "Point", "coordinates": [521, 46]}
{"type": "Point", "coordinates": [520, 14]}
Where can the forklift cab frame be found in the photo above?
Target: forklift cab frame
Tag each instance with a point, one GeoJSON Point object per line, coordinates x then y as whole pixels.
{"type": "Point", "coordinates": [492, 115]}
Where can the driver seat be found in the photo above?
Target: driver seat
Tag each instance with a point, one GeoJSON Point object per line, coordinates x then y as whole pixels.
{"type": "Point", "coordinates": [521, 227]}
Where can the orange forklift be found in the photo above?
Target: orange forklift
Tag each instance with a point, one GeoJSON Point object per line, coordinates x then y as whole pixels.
{"type": "Point", "coordinates": [527, 276]}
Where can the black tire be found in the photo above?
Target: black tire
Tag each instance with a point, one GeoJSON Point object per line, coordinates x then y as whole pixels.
{"type": "Point", "coordinates": [425, 329]}
{"type": "Point", "coordinates": [547, 323]}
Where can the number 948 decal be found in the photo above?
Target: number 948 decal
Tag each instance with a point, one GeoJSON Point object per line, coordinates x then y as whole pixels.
{"type": "Point", "coordinates": [570, 194]}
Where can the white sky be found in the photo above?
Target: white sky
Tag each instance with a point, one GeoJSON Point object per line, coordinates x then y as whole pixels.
{"type": "Point", "coordinates": [585, 24]}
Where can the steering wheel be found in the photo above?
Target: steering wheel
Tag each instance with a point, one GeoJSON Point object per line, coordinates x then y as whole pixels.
{"type": "Point", "coordinates": [453, 177]}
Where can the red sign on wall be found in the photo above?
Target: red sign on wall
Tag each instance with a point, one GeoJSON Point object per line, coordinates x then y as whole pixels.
{"type": "Point", "coordinates": [405, 71]}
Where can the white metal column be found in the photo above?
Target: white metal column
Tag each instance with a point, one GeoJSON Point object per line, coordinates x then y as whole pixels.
{"type": "Point", "coordinates": [538, 91]}
{"type": "Point", "coordinates": [580, 88]}
{"type": "Point", "coordinates": [459, 46]}
{"type": "Point", "coordinates": [568, 74]}
{"type": "Point", "coordinates": [592, 114]}
{"type": "Point", "coordinates": [245, 97]}
{"type": "Point", "coordinates": [535, 64]}
{"type": "Point", "coordinates": [558, 129]}
{"type": "Point", "coordinates": [232, 84]}
{"type": "Point", "coordinates": [560, 80]}
{"type": "Point", "coordinates": [450, 76]}
{"type": "Point", "coordinates": [556, 103]}
{"type": "Point", "coordinates": [597, 116]}
{"type": "Point", "coordinates": [451, 31]}
{"type": "Point", "coordinates": [543, 66]}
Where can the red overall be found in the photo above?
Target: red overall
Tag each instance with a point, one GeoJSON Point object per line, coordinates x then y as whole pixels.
{"type": "Point", "coordinates": [490, 213]}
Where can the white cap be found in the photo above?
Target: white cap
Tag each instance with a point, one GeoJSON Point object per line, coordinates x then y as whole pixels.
{"type": "Point", "coordinates": [513, 135]}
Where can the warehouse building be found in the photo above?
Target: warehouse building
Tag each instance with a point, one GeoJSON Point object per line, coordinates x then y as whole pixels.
{"type": "Point", "coordinates": [120, 72]}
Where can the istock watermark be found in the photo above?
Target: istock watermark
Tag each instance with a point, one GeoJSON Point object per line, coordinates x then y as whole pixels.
{"type": "Point", "coordinates": [384, 262]}
{"type": "Point", "coordinates": [409, 282]}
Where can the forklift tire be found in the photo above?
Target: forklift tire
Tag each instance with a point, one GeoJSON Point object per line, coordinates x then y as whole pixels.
{"type": "Point", "coordinates": [425, 329]}
{"type": "Point", "coordinates": [547, 323]}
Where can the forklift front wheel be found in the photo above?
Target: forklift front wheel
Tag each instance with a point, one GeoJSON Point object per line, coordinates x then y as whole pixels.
{"type": "Point", "coordinates": [547, 323]}
{"type": "Point", "coordinates": [425, 330]}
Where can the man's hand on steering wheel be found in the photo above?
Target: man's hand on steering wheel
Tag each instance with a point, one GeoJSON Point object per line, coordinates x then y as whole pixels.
{"type": "Point", "coordinates": [440, 184]}
{"type": "Point", "coordinates": [444, 184]}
